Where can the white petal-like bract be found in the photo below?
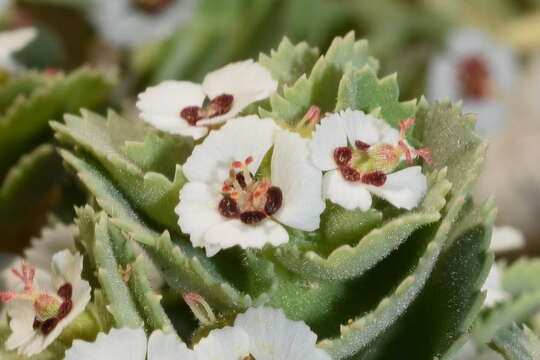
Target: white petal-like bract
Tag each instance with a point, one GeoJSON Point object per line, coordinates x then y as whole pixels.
{"type": "Point", "coordinates": [274, 337]}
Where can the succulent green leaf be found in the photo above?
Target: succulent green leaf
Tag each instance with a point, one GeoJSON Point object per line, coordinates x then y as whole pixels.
{"type": "Point", "coordinates": [320, 87]}
{"type": "Point", "coordinates": [122, 305]}
{"type": "Point", "coordinates": [150, 192]}
{"type": "Point", "coordinates": [515, 343]}
{"type": "Point", "coordinates": [19, 86]}
{"type": "Point", "coordinates": [29, 191]}
{"type": "Point", "coordinates": [122, 275]}
{"type": "Point", "coordinates": [504, 314]}
{"type": "Point", "coordinates": [25, 122]}
{"type": "Point", "coordinates": [361, 89]}
{"type": "Point", "coordinates": [348, 261]}
{"type": "Point", "coordinates": [289, 61]}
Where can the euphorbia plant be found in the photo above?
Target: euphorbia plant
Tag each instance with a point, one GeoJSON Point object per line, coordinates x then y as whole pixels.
{"type": "Point", "coordinates": [293, 192]}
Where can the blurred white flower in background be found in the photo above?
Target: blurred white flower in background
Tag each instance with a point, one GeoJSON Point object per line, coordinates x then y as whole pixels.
{"type": "Point", "coordinates": [11, 42]}
{"type": "Point", "coordinates": [510, 172]}
{"type": "Point", "coordinates": [477, 70]}
{"type": "Point", "coordinates": [128, 23]}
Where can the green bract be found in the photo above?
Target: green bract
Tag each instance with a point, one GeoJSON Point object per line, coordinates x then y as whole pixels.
{"type": "Point", "coordinates": [380, 284]}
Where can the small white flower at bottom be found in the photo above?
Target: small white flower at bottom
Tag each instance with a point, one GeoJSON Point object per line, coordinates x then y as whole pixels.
{"type": "Point", "coordinates": [11, 42]}
{"type": "Point", "coordinates": [478, 70]}
{"type": "Point", "coordinates": [261, 333]}
{"type": "Point", "coordinates": [359, 153]}
{"type": "Point", "coordinates": [186, 108]}
{"type": "Point", "coordinates": [229, 202]}
{"type": "Point", "coordinates": [130, 344]}
{"type": "Point", "coordinates": [46, 303]}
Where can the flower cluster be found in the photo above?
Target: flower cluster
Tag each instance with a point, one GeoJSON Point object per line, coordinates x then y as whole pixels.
{"type": "Point", "coordinates": [250, 180]}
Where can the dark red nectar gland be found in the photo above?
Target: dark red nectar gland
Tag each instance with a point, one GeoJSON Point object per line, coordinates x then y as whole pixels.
{"type": "Point", "coordinates": [152, 6]}
{"type": "Point", "coordinates": [362, 146]}
{"type": "Point", "coordinates": [350, 174]}
{"type": "Point", "coordinates": [342, 156]}
{"type": "Point", "coordinates": [229, 208]}
{"type": "Point", "coordinates": [474, 76]}
{"type": "Point", "coordinates": [220, 105]}
{"type": "Point", "coordinates": [246, 198]}
{"type": "Point", "coordinates": [375, 178]}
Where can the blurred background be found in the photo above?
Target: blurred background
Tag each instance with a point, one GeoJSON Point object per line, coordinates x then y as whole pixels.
{"type": "Point", "coordinates": [484, 52]}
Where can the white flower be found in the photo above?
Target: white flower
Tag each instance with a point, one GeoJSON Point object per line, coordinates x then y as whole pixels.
{"type": "Point", "coordinates": [128, 23]}
{"type": "Point", "coordinates": [227, 202]}
{"type": "Point", "coordinates": [46, 303]}
{"type": "Point", "coordinates": [506, 238]}
{"type": "Point", "coordinates": [130, 344]}
{"type": "Point", "coordinates": [359, 153]}
{"type": "Point", "coordinates": [11, 42]}
{"type": "Point", "coordinates": [186, 108]}
{"type": "Point", "coordinates": [274, 337]}
{"type": "Point", "coordinates": [478, 70]}
{"type": "Point", "coordinates": [260, 333]}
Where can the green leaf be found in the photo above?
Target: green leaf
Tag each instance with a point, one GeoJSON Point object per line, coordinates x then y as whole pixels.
{"type": "Point", "coordinates": [320, 87]}
{"type": "Point", "coordinates": [451, 299]}
{"type": "Point", "coordinates": [25, 122]}
{"type": "Point", "coordinates": [122, 305]}
{"type": "Point", "coordinates": [132, 301]}
{"type": "Point", "coordinates": [517, 344]}
{"type": "Point", "coordinates": [29, 192]}
{"type": "Point", "coordinates": [348, 261]}
{"type": "Point", "coordinates": [19, 86]}
{"type": "Point", "coordinates": [289, 61]}
{"type": "Point", "coordinates": [360, 89]}
{"type": "Point", "coordinates": [504, 314]}
{"type": "Point", "coordinates": [152, 193]}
